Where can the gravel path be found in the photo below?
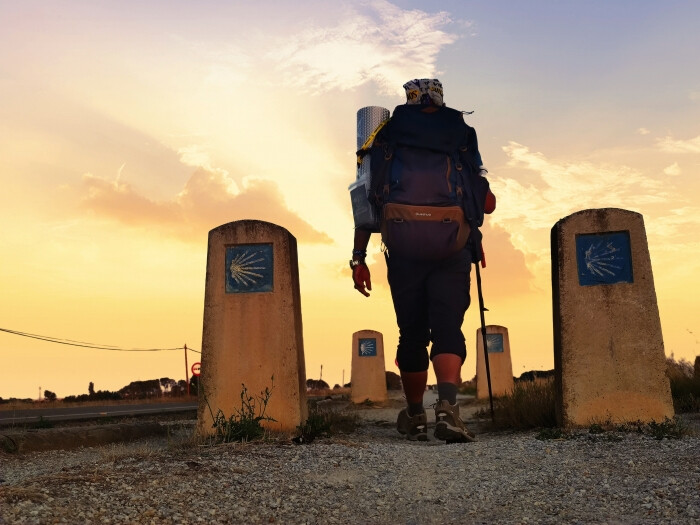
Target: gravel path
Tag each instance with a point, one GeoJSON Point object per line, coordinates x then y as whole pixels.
{"type": "Point", "coordinates": [371, 476]}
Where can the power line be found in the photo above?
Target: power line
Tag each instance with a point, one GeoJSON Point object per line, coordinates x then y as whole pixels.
{"type": "Point", "coordinates": [83, 344]}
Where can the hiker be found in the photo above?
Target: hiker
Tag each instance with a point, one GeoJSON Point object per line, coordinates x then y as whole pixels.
{"type": "Point", "coordinates": [429, 289]}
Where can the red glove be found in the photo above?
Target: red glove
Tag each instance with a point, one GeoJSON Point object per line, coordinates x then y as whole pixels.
{"type": "Point", "coordinates": [490, 204]}
{"type": "Point", "coordinates": [360, 274]}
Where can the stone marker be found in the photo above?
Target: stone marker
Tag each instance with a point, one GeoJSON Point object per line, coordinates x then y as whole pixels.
{"type": "Point", "coordinates": [500, 362]}
{"type": "Point", "coordinates": [608, 349]}
{"type": "Point", "coordinates": [252, 325]}
{"type": "Point", "coordinates": [368, 376]}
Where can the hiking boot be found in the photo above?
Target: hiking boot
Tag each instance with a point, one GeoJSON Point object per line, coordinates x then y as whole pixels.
{"type": "Point", "coordinates": [448, 426]}
{"type": "Point", "coordinates": [414, 427]}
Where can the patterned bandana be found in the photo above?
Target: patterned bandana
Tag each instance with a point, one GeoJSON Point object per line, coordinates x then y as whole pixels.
{"type": "Point", "coordinates": [424, 91]}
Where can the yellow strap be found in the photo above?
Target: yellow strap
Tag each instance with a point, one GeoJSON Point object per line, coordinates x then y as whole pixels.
{"type": "Point", "coordinates": [370, 139]}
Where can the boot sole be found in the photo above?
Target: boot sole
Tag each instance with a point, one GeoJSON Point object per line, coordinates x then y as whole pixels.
{"type": "Point", "coordinates": [446, 432]}
{"type": "Point", "coordinates": [419, 436]}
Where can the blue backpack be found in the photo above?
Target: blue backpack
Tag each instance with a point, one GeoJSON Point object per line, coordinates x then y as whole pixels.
{"type": "Point", "coordinates": [425, 183]}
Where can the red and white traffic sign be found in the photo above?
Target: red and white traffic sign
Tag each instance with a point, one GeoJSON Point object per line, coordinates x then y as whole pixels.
{"type": "Point", "coordinates": [196, 369]}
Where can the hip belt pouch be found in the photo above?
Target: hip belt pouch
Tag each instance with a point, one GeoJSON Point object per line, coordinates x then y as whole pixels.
{"type": "Point", "coordinates": [424, 232]}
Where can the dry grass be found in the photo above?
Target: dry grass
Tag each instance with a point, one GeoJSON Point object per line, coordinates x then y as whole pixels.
{"type": "Point", "coordinates": [686, 394]}
{"type": "Point", "coordinates": [140, 449]}
{"type": "Point", "coordinates": [529, 405]}
{"type": "Point", "coordinates": [16, 494]}
{"type": "Point", "coordinates": [31, 489]}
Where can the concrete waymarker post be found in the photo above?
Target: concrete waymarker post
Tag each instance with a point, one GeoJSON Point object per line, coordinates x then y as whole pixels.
{"type": "Point", "coordinates": [252, 328]}
{"type": "Point", "coordinates": [608, 348]}
{"type": "Point", "coordinates": [368, 381]}
{"type": "Point", "coordinates": [500, 362]}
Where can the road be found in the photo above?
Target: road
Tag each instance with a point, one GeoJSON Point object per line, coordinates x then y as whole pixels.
{"type": "Point", "coordinates": [33, 415]}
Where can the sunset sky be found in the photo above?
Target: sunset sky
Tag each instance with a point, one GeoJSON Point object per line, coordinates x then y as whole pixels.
{"type": "Point", "coordinates": [130, 129]}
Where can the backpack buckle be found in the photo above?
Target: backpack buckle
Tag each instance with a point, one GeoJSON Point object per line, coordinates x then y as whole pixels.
{"type": "Point", "coordinates": [388, 153]}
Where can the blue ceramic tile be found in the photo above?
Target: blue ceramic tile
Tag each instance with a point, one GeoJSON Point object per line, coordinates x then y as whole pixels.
{"type": "Point", "coordinates": [249, 268]}
{"type": "Point", "coordinates": [368, 347]}
{"type": "Point", "coordinates": [604, 258]}
{"type": "Point", "coordinates": [494, 343]}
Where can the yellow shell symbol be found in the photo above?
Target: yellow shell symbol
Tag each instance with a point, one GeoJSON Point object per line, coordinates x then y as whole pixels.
{"type": "Point", "coordinates": [243, 269]}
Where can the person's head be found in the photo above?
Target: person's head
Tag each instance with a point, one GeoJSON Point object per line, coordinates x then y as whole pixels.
{"type": "Point", "coordinates": [424, 91]}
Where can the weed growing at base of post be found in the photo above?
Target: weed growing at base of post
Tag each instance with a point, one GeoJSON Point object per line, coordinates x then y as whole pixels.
{"type": "Point", "coordinates": [244, 424]}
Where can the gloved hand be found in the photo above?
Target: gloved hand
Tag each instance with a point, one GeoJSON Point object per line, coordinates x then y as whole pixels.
{"type": "Point", "coordinates": [360, 274]}
{"type": "Point", "coordinates": [490, 204]}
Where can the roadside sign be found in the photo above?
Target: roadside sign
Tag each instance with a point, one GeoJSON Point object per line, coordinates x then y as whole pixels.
{"type": "Point", "coordinates": [196, 369]}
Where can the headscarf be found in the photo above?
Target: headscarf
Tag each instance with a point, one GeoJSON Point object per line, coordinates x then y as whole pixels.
{"type": "Point", "coordinates": [424, 91]}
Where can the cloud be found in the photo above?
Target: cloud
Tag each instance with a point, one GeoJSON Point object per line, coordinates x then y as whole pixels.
{"type": "Point", "coordinates": [208, 200]}
{"type": "Point", "coordinates": [377, 42]}
{"type": "Point", "coordinates": [226, 67]}
{"type": "Point", "coordinates": [643, 131]}
{"type": "Point", "coordinates": [670, 145]}
{"type": "Point", "coordinates": [504, 261]}
{"type": "Point", "coordinates": [195, 155]}
{"type": "Point", "coordinates": [673, 170]}
{"type": "Point", "coordinates": [120, 201]}
{"type": "Point", "coordinates": [565, 187]}
{"type": "Point", "coordinates": [677, 223]}
{"type": "Point", "coordinates": [556, 189]}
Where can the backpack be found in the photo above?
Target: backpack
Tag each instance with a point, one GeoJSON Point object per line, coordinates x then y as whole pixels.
{"type": "Point", "coordinates": [425, 183]}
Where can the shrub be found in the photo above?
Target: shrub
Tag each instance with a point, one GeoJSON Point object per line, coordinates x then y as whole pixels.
{"type": "Point", "coordinates": [245, 423]}
{"type": "Point", "coordinates": [76, 399]}
{"type": "Point", "coordinates": [669, 429]}
{"type": "Point", "coordinates": [42, 423]}
{"type": "Point", "coordinates": [315, 426]}
{"type": "Point", "coordinates": [529, 405]}
{"type": "Point", "coordinates": [685, 385]}
{"type": "Point", "coordinates": [680, 368]}
{"type": "Point", "coordinates": [686, 393]}
{"type": "Point", "coordinates": [468, 389]}
{"type": "Point", "coordinates": [49, 396]}
{"type": "Point", "coordinates": [324, 423]}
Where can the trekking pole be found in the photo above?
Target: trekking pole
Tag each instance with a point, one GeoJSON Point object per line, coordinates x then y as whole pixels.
{"type": "Point", "coordinates": [482, 309]}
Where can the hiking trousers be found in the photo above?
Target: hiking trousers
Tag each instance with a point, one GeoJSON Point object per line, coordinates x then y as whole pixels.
{"type": "Point", "coordinates": [430, 299]}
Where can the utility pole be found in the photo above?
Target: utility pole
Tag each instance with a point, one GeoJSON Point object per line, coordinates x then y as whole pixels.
{"type": "Point", "coordinates": [321, 378]}
{"type": "Point", "coordinates": [187, 372]}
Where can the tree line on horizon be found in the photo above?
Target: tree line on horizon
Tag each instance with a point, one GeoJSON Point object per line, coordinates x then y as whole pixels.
{"type": "Point", "coordinates": [148, 389]}
{"type": "Point", "coordinates": [680, 372]}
